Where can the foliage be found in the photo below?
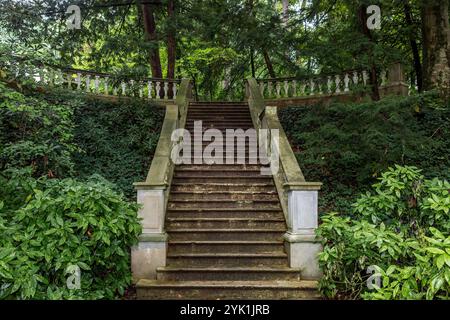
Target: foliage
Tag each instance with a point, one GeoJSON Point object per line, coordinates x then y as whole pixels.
{"type": "Point", "coordinates": [35, 132]}
{"type": "Point", "coordinates": [331, 141]}
{"type": "Point", "coordinates": [117, 140]}
{"type": "Point", "coordinates": [401, 229]}
{"type": "Point", "coordinates": [48, 225]}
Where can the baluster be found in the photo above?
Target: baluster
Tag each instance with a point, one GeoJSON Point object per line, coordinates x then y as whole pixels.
{"type": "Point", "coordinates": [41, 76]}
{"type": "Point", "coordinates": [286, 88]}
{"type": "Point", "coordinates": [278, 88]}
{"type": "Point", "coordinates": [294, 88]}
{"type": "Point", "coordinates": [338, 81]}
{"type": "Point", "coordinates": [269, 89]}
{"type": "Point", "coordinates": [58, 78]}
{"type": "Point", "coordinates": [346, 81]}
{"type": "Point", "coordinates": [383, 78]}
{"type": "Point", "coordinates": [78, 81]}
{"type": "Point", "coordinates": [355, 78]}
{"type": "Point", "coordinates": [141, 89]}
{"type": "Point", "coordinates": [106, 85]}
{"type": "Point", "coordinates": [88, 83]}
{"type": "Point", "coordinates": [311, 84]}
{"type": "Point", "coordinates": [158, 90]}
{"type": "Point", "coordinates": [320, 85]}
{"type": "Point", "coordinates": [303, 89]}
{"type": "Point", "coordinates": [115, 91]}
{"type": "Point", "coordinates": [149, 89]}
{"type": "Point", "coordinates": [132, 88]}
{"type": "Point", "coordinates": [365, 77]}
{"type": "Point", "coordinates": [51, 78]}
{"type": "Point", "coordinates": [124, 87]}
{"type": "Point", "coordinates": [174, 90]}
{"type": "Point", "coordinates": [166, 90]}
{"type": "Point", "coordinates": [329, 84]}
{"type": "Point", "coordinates": [96, 83]}
{"type": "Point", "coordinates": [261, 88]}
{"type": "Point", "coordinates": [69, 81]}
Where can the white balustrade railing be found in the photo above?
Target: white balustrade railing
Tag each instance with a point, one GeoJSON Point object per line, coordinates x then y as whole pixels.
{"type": "Point", "coordinates": [97, 83]}
{"type": "Point", "coordinates": [318, 85]}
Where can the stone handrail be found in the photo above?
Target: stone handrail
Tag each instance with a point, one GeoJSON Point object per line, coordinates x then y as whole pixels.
{"type": "Point", "coordinates": [320, 85]}
{"type": "Point", "coordinates": [299, 199]}
{"type": "Point", "coordinates": [153, 193]}
{"type": "Point", "coordinates": [95, 82]}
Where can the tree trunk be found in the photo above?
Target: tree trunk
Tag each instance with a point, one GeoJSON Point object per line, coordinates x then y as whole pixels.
{"type": "Point", "coordinates": [373, 77]}
{"type": "Point", "coordinates": [414, 46]}
{"type": "Point", "coordinates": [436, 44]}
{"type": "Point", "coordinates": [285, 17]}
{"type": "Point", "coordinates": [150, 32]}
{"type": "Point", "coordinates": [269, 64]}
{"type": "Point", "coordinates": [171, 41]}
{"type": "Point", "coordinates": [252, 63]}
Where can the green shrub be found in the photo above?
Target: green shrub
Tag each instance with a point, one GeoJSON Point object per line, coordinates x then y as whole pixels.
{"type": "Point", "coordinates": [47, 226]}
{"type": "Point", "coordinates": [117, 140]}
{"type": "Point", "coordinates": [34, 132]}
{"type": "Point", "coordinates": [402, 229]}
{"type": "Point", "coordinates": [348, 145]}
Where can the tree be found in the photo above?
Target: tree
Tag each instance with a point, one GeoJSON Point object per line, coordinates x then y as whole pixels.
{"type": "Point", "coordinates": [171, 41]}
{"type": "Point", "coordinates": [362, 14]}
{"type": "Point", "coordinates": [414, 46]}
{"type": "Point", "coordinates": [150, 32]}
{"type": "Point", "coordinates": [436, 44]}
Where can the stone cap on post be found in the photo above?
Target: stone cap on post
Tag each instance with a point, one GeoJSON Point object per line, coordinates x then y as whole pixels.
{"type": "Point", "coordinates": [302, 186]}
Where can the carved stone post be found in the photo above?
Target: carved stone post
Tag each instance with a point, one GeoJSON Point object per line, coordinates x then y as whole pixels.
{"type": "Point", "coordinates": [396, 84]}
{"type": "Point", "coordinates": [301, 243]}
{"type": "Point", "coordinates": [151, 251]}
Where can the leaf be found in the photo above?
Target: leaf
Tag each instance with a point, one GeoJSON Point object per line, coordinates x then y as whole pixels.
{"type": "Point", "coordinates": [435, 250]}
{"type": "Point", "coordinates": [83, 266]}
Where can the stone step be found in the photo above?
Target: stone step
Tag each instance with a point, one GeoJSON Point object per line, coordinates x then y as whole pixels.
{"type": "Point", "coordinates": [224, 111]}
{"type": "Point", "coordinates": [218, 167]}
{"type": "Point", "coordinates": [228, 274]}
{"type": "Point", "coordinates": [220, 213]}
{"type": "Point", "coordinates": [226, 246]}
{"type": "Point", "coordinates": [195, 234]}
{"type": "Point", "coordinates": [219, 117]}
{"type": "Point", "coordinates": [232, 290]}
{"type": "Point", "coordinates": [220, 120]}
{"type": "Point", "coordinates": [227, 260]}
{"type": "Point", "coordinates": [180, 185]}
{"type": "Point", "coordinates": [222, 223]}
{"type": "Point", "coordinates": [220, 195]}
{"type": "Point", "coordinates": [242, 204]}
{"type": "Point", "coordinates": [186, 173]}
{"type": "Point", "coordinates": [224, 179]}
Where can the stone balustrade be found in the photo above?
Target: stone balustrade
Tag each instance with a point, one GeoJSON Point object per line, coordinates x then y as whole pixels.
{"type": "Point", "coordinates": [96, 82]}
{"type": "Point", "coordinates": [318, 85]}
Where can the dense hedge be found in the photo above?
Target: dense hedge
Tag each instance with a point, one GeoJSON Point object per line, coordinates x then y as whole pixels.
{"type": "Point", "coordinates": [347, 146]}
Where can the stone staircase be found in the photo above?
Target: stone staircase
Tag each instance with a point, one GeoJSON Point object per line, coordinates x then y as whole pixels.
{"type": "Point", "coordinates": [225, 227]}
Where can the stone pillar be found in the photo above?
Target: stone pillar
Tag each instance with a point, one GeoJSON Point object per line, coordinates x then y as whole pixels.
{"type": "Point", "coordinates": [150, 253]}
{"type": "Point", "coordinates": [301, 242]}
{"type": "Point", "coordinates": [396, 82]}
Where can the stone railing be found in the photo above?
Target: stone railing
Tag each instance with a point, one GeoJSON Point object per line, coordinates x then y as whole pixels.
{"type": "Point", "coordinates": [153, 193]}
{"type": "Point", "coordinates": [299, 199]}
{"type": "Point", "coordinates": [321, 86]}
{"type": "Point", "coordinates": [313, 85]}
{"type": "Point", "coordinates": [94, 82]}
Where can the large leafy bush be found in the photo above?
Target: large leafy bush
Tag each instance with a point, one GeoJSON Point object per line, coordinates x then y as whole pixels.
{"type": "Point", "coordinates": [401, 229]}
{"type": "Point", "coordinates": [47, 226]}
